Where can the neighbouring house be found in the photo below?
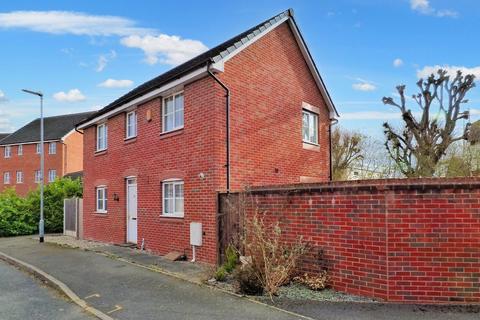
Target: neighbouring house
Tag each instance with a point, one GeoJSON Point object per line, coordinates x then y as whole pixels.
{"type": "Point", "coordinates": [251, 111]}
{"type": "Point", "coordinates": [20, 152]}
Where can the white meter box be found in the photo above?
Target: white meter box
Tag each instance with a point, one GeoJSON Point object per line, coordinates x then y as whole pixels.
{"type": "Point", "coordinates": [195, 234]}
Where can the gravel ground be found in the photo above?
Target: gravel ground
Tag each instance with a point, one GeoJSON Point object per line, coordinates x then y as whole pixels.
{"type": "Point", "coordinates": [71, 242]}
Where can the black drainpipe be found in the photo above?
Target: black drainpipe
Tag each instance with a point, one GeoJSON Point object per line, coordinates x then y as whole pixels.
{"type": "Point", "coordinates": [227, 122]}
{"type": "Point", "coordinates": [332, 122]}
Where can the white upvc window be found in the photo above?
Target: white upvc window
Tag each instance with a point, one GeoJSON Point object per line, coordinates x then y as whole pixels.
{"type": "Point", "coordinates": [6, 178]}
{"type": "Point", "coordinates": [19, 177]}
{"type": "Point", "coordinates": [102, 137]}
{"type": "Point", "coordinates": [8, 151]}
{"type": "Point", "coordinates": [172, 198]}
{"type": "Point", "coordinates": [52, 175]}
{"type": "Point", "coordinates": [38, 176]}
{"type": "Point", "coordinates": [52, 148]}
{"type": "Point", "coordinates": [101, 199]}
{"type": "Point", "coordinates": [172, 112]}
{"type": "Point", "coordinates": [38, 148]}
{"type": "Point", "coordinates": [20, 149]}
{"type": "Point", "coordinates": [131, 125]}
{"type": "Point", "coordinates": [310, 127]}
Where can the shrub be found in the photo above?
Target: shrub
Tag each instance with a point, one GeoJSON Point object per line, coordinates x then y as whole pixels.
{"type": "Point", "coordinates": [273, 260]}
{"type": "Point", "coordinates": [248, 281]}
{"type": "Point", "coordinates": [19, 216]}
{"type": "Point", "coordinates": [314, 282]}
{"type": "Point", "coordinates": [220, 274]}
{"type": "Point", "coordinates": [231, 259]}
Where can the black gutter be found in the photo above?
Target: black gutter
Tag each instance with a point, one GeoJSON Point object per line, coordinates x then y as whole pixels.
{"type": "Point", "coordinates": [227, 122]}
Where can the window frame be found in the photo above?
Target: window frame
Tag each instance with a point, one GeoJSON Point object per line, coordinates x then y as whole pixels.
{"type": "Point", "coordinates": [97, 144]}
{"type": "Point", "coordinates": [19, 174]}
{"type": "Point", "coordinates": [173, 182]}
{"type": "Point", "coordinates": [38, 149]}
{"type": "Point", "coordinates": [50, 171]}
{"type": "Point", "coordinates": [104, 200]}
{"type": "Point", "coordinates": [37, 174]}
{"type": "Point", "coordinates": [9, 153]}
{"type": "Point", "coordinates": [134, 125]}
{"type": "Point", "coordinates": [164, 122]}
{"type": "Point", "coordinates": [20, 150]}
{"type": "Point", "coordinates": [310, 113]}
{"type": "Point", "coordinates": [6, 175]}
{"type": "Point", "coordinates": [54, 144]}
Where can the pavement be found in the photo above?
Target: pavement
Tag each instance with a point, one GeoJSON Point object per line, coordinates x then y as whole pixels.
{"type": "Point", "coordinates": [125, 291]}
{"type": "Point", "coordinates": [17, 287]}
{"type": "Point", "coordinates": [119, 282]}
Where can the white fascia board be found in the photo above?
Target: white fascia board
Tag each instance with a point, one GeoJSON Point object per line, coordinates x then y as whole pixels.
{"type": "Point", "coordinates": [67, 134]}
{"type": "Point", "coordinates": [28, 142]}
{"type": "Point", "coordinates": [194, 75]}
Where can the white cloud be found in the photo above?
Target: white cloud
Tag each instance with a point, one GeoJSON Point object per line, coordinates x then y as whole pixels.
{"type": "Point", "coordinates": [5, 122]}
{"type": "Point", "coordinates": [70, 22]}
{"type": "Point", "coordinates": [157, 47]}
{"type": "Point", "coordinates": [166, 49]}
{"type": "Point", "coordinates": [424, 7]}
{"type": "Point", "coordinates": [426, 71]}
{"type": "Point", "coordinates": [73, 95]}
{"type": "Point", "coordinates": [370, 115]}
{"type": "Point", "coordinates": [364, 86]}
{"type": "Point", "coordinates": [397, 62]}
{"type": "Point", "coordinates": [3, 98]}
{"type": "Point", "coordinates": [112, 83]}
{"type": "Point", "coordinates": [103, 59]}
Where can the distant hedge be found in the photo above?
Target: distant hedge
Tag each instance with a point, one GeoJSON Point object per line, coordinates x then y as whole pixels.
{"type": "Point", "coordinates": [19, 216]}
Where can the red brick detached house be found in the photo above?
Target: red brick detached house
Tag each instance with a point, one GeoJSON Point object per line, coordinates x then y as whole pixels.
{"type": "Point", "coordinates": [20, 152]}
{"type": "Point", "coordinates": [251, 111]}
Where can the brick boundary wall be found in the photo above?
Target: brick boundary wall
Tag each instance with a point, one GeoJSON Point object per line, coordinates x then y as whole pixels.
{"type": "Point", "coordinates": [410, 240]}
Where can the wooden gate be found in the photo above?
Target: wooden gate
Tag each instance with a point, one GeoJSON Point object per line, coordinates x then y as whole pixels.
{"type": "Point", "coordinates": [72, 217]}
{"type": "Point", "coordinates": [229, 223]}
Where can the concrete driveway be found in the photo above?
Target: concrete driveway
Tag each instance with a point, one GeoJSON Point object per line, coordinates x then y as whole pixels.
{"type": "Point", "coordinates": [125, 291]}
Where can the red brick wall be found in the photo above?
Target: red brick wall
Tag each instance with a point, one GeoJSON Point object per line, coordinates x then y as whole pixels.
{"type": "Point", "coordinates": [398, 240]}
{"type": "Point", "coordinates": [269, 81]}
{"type": "Point", "coordinates": [28, 163]}
{"type": "Point", "coordinates": [73, 150]}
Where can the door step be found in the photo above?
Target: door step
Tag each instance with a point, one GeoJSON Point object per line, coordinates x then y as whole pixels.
{"type": "Point", "coordinates": [127, 245]}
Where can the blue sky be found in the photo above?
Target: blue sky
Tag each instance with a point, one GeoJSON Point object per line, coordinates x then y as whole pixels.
{"type": "Point", "coordinates": [85, 54]}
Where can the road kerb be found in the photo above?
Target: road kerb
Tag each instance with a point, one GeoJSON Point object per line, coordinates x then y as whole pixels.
{"type": "Point", "coordinates": [54, 283]}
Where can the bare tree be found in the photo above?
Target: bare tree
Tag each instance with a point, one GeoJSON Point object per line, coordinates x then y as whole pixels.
{"type": "Point", "coordinates": [422, 143]}
{"type": "Point", "coordinates": [346, 149]}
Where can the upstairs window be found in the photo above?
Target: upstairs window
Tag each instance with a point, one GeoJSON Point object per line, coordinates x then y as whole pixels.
{"type": "Point", "coordinates": [173, 112]}
{"type": "Point", "coordinates": [20, 149]}
{"type": "Point", "coordinates": [6, 178]}
{"type": "Point", "coordinates": [101, 137]}
{"type": "Point", "coordinates": [52, 148]}
{"type": "Point", "coordinates": [131, 125]}
{"type": "Point", "coordinates": [19, 177]}
{"type": "Point", "coordinates": [101, 199]}
{"type": "Point", "coordinates": [38, 148]}
{"type": "Point", "coordinates": [173, 198]}
{"type": "Point", "coordinates": [38, 176]}
{"type": "Point", "coordinates": [52, 175]}
{"type": "Point", "coordinates": [310, 127]}
{"type": "Point", "coordinates": [8, 151]}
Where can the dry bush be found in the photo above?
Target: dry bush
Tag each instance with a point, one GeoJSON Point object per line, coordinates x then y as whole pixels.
{"type": "Point", "coordinates": [314, 282]}
{"type": "Point", "coordinates": [273, 260]}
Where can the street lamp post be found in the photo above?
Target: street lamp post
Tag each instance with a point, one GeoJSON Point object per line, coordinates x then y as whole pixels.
{"type": "Point", "coordinates": [41, 226]}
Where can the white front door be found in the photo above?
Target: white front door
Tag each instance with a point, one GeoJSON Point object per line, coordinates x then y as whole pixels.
{"type": "Point", "coordinates": [132, 210]}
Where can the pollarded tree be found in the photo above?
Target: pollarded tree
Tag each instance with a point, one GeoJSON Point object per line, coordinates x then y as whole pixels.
{"type": "Point", "coordinates": [424, 139]}
{"type": "Point", "coordinates": [346, 150]}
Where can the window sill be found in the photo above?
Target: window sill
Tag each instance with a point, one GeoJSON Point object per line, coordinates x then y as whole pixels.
{"type": "Point", "coordinates": [130, 140]}
{"type": "Point", "coordinates": [100, 213]}
{"type": "Point", "coordinates": [100, 152]}
{"type": "Point", "coordinates": [171, 216]}
{"type": "Point", "coordinates": [172, 133]}
{"type": "Point", "coordinates": [311, 146]}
